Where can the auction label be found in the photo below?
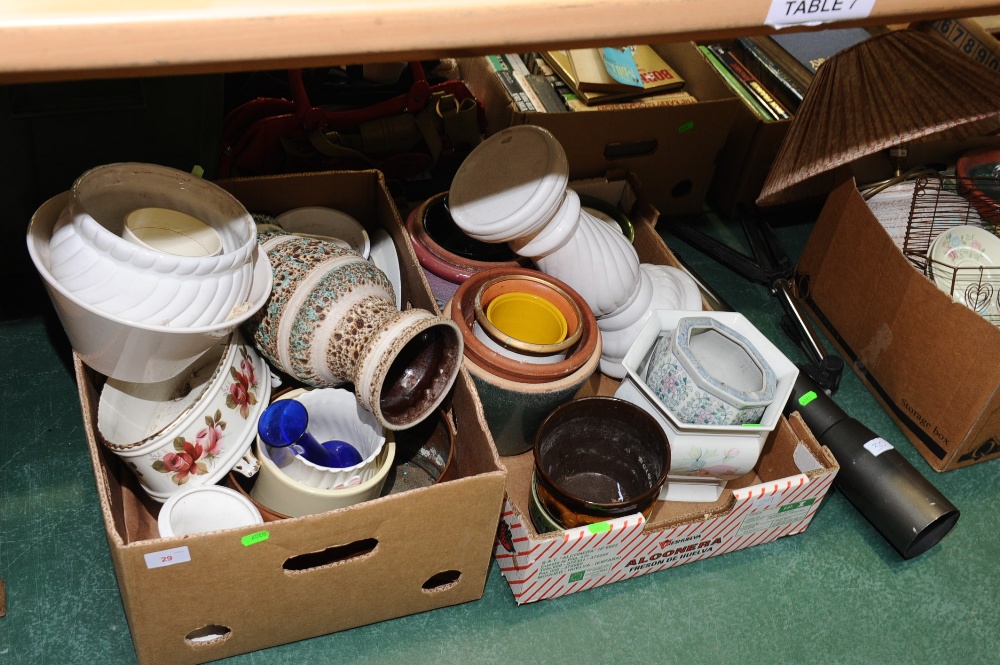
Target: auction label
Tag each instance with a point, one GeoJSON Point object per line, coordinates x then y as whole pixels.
{"type": "Point", "coordinates": [167, 557]}
{"type": "Point", "coordinates": [815, 12]}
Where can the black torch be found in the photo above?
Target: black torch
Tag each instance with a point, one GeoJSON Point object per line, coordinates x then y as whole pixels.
{"type": "Point", "coordinates": [900, 503]}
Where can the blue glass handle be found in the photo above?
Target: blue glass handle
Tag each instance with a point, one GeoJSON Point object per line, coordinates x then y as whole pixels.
{"type": "Point", "coordinates": [286, 422]}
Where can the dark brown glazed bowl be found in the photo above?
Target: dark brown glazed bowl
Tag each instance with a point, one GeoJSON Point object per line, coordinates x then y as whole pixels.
{"type": "Point", "coordinates": [598, 458]}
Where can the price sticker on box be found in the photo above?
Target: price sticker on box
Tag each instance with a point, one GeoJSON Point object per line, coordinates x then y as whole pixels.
{"type": "Point", "coordinates": [169, 557]}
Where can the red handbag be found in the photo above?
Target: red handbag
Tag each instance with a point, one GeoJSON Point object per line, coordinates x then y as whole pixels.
{"type": "Point", "coordinates": [405, 136]}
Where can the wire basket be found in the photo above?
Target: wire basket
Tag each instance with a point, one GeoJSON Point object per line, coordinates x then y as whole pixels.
{"type": "Point", "coordinates": [951, 237]}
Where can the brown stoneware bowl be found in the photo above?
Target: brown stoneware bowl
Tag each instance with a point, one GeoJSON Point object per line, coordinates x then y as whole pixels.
{"type": "Point", "coordinates": [598, 458]}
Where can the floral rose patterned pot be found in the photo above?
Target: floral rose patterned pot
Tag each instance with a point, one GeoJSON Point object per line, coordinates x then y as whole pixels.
{"type": "Point", "coordinates": [190, 430]}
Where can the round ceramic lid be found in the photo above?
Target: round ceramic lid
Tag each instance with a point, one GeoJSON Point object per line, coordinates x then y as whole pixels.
{"type": "Point", "coordinates": [205, 508]}
{"type": "Point", "coordinates": [511, 179]}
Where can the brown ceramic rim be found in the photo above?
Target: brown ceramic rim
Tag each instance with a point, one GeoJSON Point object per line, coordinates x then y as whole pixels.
{"type": "Point", "coordinates": [538, 287]}
{"type": "Point", "coordinates": [583, 509]}
{"type": "Point", "coordinates": [460, 265]}
{"type": "Point", "coordinates": [461, 310]}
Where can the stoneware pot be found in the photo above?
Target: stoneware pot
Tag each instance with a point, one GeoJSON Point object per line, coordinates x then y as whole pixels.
{"type": "Point", "coordinates": [598, 458]}
{"type": "Point", "coordinates": [706, 373]}
{"type": "Point", "coordinates": [170, 231]}
{"type": "Point", "coordinates": [516, 396]}
{"type": "Point", "coordinates": [192, 429]}
{"type": "Point", "coordinates": [447, 255]}
{"type": "Point", "coordinates": [332, 319]}
{"type": "Point", "coordinates": [579, 345]}
{"type": "Point", "coordinates": [123, 349]}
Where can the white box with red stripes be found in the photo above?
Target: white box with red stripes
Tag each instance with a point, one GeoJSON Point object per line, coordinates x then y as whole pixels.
{"type": "Point", "coordinates": [779, 498]}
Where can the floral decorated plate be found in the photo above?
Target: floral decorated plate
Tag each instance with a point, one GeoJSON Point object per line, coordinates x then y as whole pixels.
{"type": "Point", "coordinates": [964, 262]}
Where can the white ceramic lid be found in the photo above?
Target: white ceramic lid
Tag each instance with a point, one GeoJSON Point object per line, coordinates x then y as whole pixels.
{"type": "Point", "coordinates": [206, 508]}
{"type": "Point", "coordinates": [509, 183]}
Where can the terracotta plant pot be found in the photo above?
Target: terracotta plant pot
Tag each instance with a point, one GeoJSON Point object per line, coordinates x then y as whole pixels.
{"type": "Point", "coordinates": [447, 255]}
{"type": "Point", "coordinates": [332, 319]}
{"type": "Point", "coordinates": [462, 310]}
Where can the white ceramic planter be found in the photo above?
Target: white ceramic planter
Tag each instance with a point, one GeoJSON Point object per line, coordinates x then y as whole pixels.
{"type": "Point", "coordinates": [190, 430]}
{"type": "Point", "coordinates": [713, 453]}
{"type": "Point", "coordinates": [122, 349]}
{"type": "Point", "coordinates": [334, 413]}
{"type": "Point", "coordinates": [706, 373]}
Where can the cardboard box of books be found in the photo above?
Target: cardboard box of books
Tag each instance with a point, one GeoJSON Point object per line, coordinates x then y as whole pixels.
{"type": "Point", "coordinates": [669, 141]}
{"type": "Point", "coordinates": [192, 599]}
{"type": "Point", "coordinates": [779, 498]}
{"type": "Point", "coordinates": [930, 361]}
{"type": "Point", "coordinates": [757, 131]}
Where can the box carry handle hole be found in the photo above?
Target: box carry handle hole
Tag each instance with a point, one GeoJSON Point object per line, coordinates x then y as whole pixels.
{"type": "Point", "coordinates": [627, 149]}
{"type": "Point", "coordinates": [682, 189]}
{"type": "Point", "coordinates": [443, 580]}
{"type": "Point", "coordinates": [209, 635]}
{"type": "Point", "coordinates": [331, 555]}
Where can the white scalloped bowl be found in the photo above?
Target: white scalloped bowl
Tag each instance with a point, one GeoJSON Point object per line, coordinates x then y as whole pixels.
{"type": "Point", "coordinates": [334, 413]}
{"type": "Point", "coordinates": [123, 349]}
{"type": "Point", "coordinates": [90, 259]}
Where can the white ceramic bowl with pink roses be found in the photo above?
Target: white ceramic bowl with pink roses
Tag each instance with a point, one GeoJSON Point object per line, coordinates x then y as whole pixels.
{"type": "Point", "coordinates": [191, 429]}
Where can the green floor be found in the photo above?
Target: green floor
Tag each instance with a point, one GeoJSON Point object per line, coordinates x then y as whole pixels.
{"type": "Point", "coordinates": [837, 593]}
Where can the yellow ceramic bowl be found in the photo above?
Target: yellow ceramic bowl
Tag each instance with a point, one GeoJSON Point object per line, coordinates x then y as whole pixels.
{"type": "Point", "coordinates": [527, 317]}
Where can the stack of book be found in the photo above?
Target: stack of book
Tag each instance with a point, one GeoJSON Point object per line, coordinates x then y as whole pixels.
{"type": "Point", "coordinates": [772, 72]}
{"type": "Point", "coordinates": [588, 79]}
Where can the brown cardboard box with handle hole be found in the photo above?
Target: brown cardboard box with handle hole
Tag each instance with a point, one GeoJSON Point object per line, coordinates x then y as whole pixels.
{"type": "Point", "coordinates": [931, 362]}
{"type": "Point", "coordinates": [208, 596]}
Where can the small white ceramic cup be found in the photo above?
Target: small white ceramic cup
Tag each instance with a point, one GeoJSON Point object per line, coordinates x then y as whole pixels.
{"type": "Point", "coordinates": [205, 508]}
{"type": "Point", "coordinates": [171, 231]}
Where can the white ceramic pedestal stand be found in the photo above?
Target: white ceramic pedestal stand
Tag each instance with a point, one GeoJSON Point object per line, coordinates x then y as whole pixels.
{"type": "Point", "coordinates": [512, 188]}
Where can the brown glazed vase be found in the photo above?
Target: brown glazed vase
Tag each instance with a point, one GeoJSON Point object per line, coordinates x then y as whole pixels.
{"type": "Point", "coordinates": [598, 458]}
{"type": "Point", "coordinates": [332, 319]}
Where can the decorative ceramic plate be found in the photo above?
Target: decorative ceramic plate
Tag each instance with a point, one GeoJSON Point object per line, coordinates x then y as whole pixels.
{"type": "Point", "coordinates": [383, 254]}
{"type": "Point", "coordinates": [964, 261]}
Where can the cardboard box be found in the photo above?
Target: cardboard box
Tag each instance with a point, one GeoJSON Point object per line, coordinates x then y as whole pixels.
{"type": "Point", "coordinates": [671, 149]}
{"type": "Point", "coordinates": [779, 498]}
{"type": "Point", "coordinates": [396, 555]}
{"type": "Point", "coordinates": [930, 362]}
{"type": "Point", "coordinates": [745, 159]}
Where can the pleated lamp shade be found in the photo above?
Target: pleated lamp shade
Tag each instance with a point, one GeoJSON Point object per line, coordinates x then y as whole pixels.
{"type": "Point", "coordinates": [887, 91]}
